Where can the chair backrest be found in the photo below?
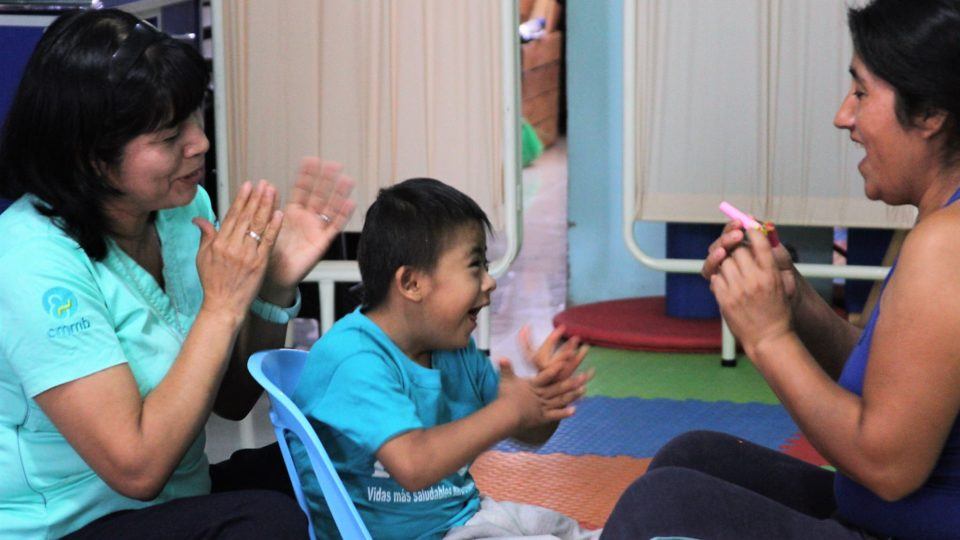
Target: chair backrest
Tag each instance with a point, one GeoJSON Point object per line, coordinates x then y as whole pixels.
{"type": "Point", "coordinates": [278, 371]}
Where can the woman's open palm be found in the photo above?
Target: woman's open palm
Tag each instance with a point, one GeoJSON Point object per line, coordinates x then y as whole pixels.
{"type": "Point", "coordinates": [318, 209]}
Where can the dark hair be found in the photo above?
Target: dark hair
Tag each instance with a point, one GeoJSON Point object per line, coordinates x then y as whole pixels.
{"type": "Point", "coordinates": [914, 45]}
{"type": "Point", "coordinates": [409, 225]}
{"type": "Point", "coordinates": [76, 109]}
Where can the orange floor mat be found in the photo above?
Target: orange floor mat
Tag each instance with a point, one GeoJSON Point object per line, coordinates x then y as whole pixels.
{"type": "Point", "coordinates": [585, 488]}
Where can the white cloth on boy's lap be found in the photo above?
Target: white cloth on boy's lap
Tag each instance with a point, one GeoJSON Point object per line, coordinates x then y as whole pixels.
{"type": "Point", "coordinates": [509, 520]}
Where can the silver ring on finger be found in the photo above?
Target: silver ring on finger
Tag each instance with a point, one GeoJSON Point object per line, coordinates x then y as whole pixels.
{"type": "Point", "coordinates": [255, 235]}
{"type": "Point", "coordinates": [326, 219]}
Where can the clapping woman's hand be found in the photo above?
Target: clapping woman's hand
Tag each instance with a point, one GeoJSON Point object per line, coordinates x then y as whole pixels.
{"type": "Point", "coordinates": [318, 210]}
{"type": "Point", "coordinates": [232, 262]}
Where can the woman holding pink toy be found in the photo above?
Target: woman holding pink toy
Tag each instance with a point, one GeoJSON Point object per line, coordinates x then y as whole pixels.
{"type": "Point", "coordinates": [879, 403]}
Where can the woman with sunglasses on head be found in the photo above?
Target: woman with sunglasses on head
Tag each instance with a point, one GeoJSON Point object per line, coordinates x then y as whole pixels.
{"type": "Point", "coordinates": [127, 316]}
{"type": "Point", "coordinates": [881, 403]}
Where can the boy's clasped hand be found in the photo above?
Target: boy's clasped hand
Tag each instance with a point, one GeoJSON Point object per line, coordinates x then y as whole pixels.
{"type": "Point", "coordinates": [548, 396]}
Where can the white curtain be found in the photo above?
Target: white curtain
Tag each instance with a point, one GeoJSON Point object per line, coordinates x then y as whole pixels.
{"type": "Point", "coordinates": [391, 89]}
{"type": "Point", "coordinates": [735, 101]}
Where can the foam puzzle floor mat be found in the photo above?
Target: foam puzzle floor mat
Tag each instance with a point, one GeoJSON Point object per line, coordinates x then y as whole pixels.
{"type": "Point", "coordinates": [636, 402]}
{"type": "Point", "coordinates": [583, 487]}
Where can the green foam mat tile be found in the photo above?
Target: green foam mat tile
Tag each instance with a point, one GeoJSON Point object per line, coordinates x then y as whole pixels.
{"type": "Point", "coordinates": [651, 375]}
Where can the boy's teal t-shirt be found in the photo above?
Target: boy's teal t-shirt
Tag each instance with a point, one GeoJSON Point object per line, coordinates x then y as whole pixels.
{"type": "Point", "coordinates": [359, 390]}
{"type": "Point", "coordinates": [64, 316]}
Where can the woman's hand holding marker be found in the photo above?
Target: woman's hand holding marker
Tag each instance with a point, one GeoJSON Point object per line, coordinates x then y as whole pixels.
{"type": "Point", "coordinates": [747, 221]}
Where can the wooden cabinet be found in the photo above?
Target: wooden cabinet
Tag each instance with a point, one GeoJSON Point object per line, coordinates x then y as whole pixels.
{"type": "Point", "coordinates": [542, 69]}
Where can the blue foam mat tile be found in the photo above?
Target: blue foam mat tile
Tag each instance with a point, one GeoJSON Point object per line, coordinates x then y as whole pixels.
{"type": "Point", "coordinates": [638, 427]}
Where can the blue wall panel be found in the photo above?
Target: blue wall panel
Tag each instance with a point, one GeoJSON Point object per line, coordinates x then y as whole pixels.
{"type": "Point", "coordinates": [19, 34]}
{"type": "Point", "coordinates": [601, 268]}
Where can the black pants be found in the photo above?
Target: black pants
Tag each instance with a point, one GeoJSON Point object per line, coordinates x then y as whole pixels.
{"type": "Point", "coordinates": [252, 498]}
{"type": "Point", "coordinates": [712, 486]}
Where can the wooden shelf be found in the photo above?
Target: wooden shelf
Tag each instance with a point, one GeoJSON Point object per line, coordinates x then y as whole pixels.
{"type": "Point", "coordinates": [541, 65]}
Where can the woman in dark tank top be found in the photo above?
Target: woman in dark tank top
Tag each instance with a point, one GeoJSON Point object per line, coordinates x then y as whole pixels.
{"type": "Point", "coordinates": [879, 404]}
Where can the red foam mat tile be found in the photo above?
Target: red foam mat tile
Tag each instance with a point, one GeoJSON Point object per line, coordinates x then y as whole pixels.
{"type": "Point", "coordinates": [639, 324]}
{"type": "Point", "coordinates": [799, 447]}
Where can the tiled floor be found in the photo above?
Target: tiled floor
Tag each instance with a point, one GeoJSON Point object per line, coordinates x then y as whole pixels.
{"type": "Point", "coordinates": [534, 289]}
{"type": "Point", "coordinates": [531, 292]}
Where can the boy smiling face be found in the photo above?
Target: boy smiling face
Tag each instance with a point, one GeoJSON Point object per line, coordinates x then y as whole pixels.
{"type": "Point", "coordinates": [456, 288]}
{"type": "Point", "coordinates": [422, 258]}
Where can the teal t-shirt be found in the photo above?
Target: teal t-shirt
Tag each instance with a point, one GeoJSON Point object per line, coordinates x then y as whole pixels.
{"type": "Point", "coordinates": [64, 316]}
{"type": "Point", "coordinates": [359, 390]}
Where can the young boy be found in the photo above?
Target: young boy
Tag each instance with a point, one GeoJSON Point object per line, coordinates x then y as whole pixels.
{"type": "Point", "coordinates": [398, 392]}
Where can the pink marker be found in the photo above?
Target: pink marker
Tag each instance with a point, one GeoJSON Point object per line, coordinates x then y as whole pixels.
{"type": "Point", "coordinates": [748, 222]}
{"type": "Point", "coordinates": [745, 219]}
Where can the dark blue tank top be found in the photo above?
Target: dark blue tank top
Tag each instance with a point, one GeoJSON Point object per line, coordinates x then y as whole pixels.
{"type": "Point", "coordinates": [933, 511]}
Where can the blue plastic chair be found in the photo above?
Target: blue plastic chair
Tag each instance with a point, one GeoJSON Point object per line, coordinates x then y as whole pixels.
{"type": "Point", "coordinates": [278, 372]}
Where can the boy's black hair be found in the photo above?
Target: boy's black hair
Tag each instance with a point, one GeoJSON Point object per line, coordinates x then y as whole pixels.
{"type": "Point", "coordinates": [96, 80]}
{"type": "Point", "coordinates": [914, 45]}
{"type": "Point", "coordinates": [408, 225]}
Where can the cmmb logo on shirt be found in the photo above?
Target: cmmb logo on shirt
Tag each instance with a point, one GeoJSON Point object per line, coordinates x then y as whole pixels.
{"type": "Point", "coordinates": [60, 303]}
